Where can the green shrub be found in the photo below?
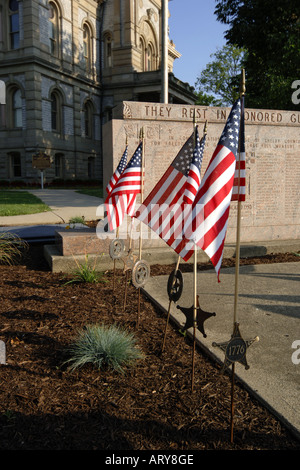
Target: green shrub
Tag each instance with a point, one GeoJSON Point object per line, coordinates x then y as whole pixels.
{"type": "Point", "coordinates": [105, 347]}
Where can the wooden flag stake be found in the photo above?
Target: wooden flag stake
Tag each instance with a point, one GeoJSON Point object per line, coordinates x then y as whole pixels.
{"type": "Point", "coordinates": [126, 273]}
{"type": "Point", "coordinates": [237, 265]}
{"type": "Point", "coordinates": [170, 303]}
{"type": "Point", "coordinates": [117, 236]}
{"type": "Point", "coordinates": [142, 200]}
{"type": "Point", "coordinates": [195, 292]}
{"type": "Point", "coordinates": [195, 314]}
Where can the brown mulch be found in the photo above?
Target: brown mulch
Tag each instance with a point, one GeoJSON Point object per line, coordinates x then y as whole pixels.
{"type": "Point", "coordinates": [44, 406]}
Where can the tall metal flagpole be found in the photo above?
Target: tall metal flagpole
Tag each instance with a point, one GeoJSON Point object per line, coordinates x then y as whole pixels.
{"type": "Point", "coordinates": [164, 57]}
{"type": "Point", "coordinates": [237, 259]}
{"type": "Point", "coordinates": [142, 200]}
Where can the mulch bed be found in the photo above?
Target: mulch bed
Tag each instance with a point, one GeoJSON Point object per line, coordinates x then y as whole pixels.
{"type": "Point", "coordinates": [44, 406]}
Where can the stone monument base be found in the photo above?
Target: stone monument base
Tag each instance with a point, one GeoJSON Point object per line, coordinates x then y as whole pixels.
{"type": "Point", "coordinates": [76, 247]}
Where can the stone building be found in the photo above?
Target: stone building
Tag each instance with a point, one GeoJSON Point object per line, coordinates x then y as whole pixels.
{"type": "Point", "coordinates": [66, 64]}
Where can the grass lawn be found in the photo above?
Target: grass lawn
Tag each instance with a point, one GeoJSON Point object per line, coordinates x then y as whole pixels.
{"type": "Point", "coordinates": [20, 203]}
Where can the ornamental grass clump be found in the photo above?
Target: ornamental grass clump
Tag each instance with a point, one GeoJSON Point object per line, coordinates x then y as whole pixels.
{"type": "Point", "coordinates": [11, 247]}
{"type": "Point", "coordinates": [106, 347]}
{"type": "Point", "coordinates": [85, 273]}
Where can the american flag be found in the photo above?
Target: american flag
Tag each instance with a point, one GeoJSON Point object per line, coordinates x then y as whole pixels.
{"type": "Point", "coordinates": [239, 183]}
{"type": "Point", "coordinates": [119, 170]}
{"type": "Point", "coordinates": [164, 208]}
{"type": "Point", "coordinates": [122, 198]}
{"type": "Point", "coordinates": [214, 196]}
{"type": "Point", "coordinates": [194, 175]}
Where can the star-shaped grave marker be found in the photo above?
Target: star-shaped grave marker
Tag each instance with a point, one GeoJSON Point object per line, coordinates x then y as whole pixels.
{"type": "Point", "coordinates": [235, 349]}
{"type": "Point", "coordinates": [201, 316]}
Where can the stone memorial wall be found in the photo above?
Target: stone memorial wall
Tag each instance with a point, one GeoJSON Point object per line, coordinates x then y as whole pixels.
{"type": "Point", "coordinates": [272, 207]}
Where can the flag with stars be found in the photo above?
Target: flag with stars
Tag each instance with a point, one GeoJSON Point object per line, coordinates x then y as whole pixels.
{"type": "Point", "coordinates": [122, 198]}
{"type": "Point", "coordinates": [119, 170]}
{"type": "Point", "coordinates": [163, 209]}
{"type": "Point", "coordinates": [194, 176]}
{"type": "Point", "coordinates": [239, 183]}
{"type": "Point", "coordinates": [214, 196]}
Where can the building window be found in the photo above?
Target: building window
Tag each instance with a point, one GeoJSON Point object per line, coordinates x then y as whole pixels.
{"type": "Point", "coordinates": [15, 165]}
{"type": "Point", "coordinates": [14, 24]}
{"type": "Point", "coordinates": [107, 51]}
{"type": "Point", "coordinates": [143, 50]}
{"type": "Point", "coordinates": [91, 167]}
{"type": "Point", "coordinates": [17, 108]}
{"type": "Point", "coordinates": [14, 108]}
{"type": "Point", "coordinates": [54, 29]}
{"type": "Point", "coordinates": [88, 119]}
{"type": "Point", "coordinates": [87, 48]}
{"type": "Point", "coordinates": [150, 57]}
{"type": "Point", "coordinates": [58, 162]}
{"type": "Point", "coordinates": [56, 112]}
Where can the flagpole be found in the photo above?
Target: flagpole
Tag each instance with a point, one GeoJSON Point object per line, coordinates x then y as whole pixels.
{"type": "Point", "coordinates": [142, 200]}
{"type": "Point", "coordinates": [195, 288]}
{"type": "Point", "coordinates": [170, 303]}
{"type": "Point", "coordinates": [195, 313]}
{"type": "Point", "coordinates": [126, 273]}
{"type": "Point", "coordinates": [237, 260]}
{"type": "Point", "coordinates": [117, 236]}
{"type": "Point", "coordinates": [142, 188]}
{"type": "Point", "coordinates": [238, 230]}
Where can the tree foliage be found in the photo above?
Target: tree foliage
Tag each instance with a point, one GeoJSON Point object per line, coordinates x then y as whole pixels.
{"type": "Point", "coordinates": [270, 31]}
{"type": "Point", "coordinates": [221, 77]}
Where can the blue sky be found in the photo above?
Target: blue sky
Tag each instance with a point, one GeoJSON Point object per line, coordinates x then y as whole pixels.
{"type": "Point", "coordinates": [196, 34]}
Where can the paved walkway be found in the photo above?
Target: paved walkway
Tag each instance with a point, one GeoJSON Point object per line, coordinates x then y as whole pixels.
{"type": "Point", "coordinates": [64, 204]}
{"type": "Point", "coordinates": [268, 307]}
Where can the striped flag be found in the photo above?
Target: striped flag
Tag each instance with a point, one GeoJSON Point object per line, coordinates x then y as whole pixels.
{"type": "Point", "coordinates": [214, 196]}
{"type": "Point", "coordinates": [122, 198]}
{"type": "Point", "coordinates": [194, 176]}
{"type": "Point", "coordinates": [119, 170]}
{"type": "Point", "coordinates": [164, 209]}
{"type": "Point", "coordinates": [239, 183]}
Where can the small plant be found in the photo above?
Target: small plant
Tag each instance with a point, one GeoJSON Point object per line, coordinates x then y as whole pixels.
{"type": "Point", "coordinates": [10, 247]}
{"type": "Point", "coordinates": [85, 273]}
{"type": "Point", "coordinates": [9, 415]}
{"type": "Point", "coordinates": [77, 220]}
{"type": "Point", "coordinates": [105, 347]}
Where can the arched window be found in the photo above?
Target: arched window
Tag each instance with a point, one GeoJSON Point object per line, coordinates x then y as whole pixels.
{"type": "Point", "coordinates": [56, 112]}
{"type": "Point", "coordinates": [143, 52]}
{"type": "Point", "coordinates": [150, 57]}
{"type": "Point", "coordinates": [88, 119]}
{"type": "Point", "coordinates": [16, 108]}
{"type": "Point", "coordinates": [14, 31]}
{"type": "Point", "coordinates": [14, 113]}
{"type": "Point", "coordinates": [87, 47]}
{"type": "Point", "coordinates": [54, 19]}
